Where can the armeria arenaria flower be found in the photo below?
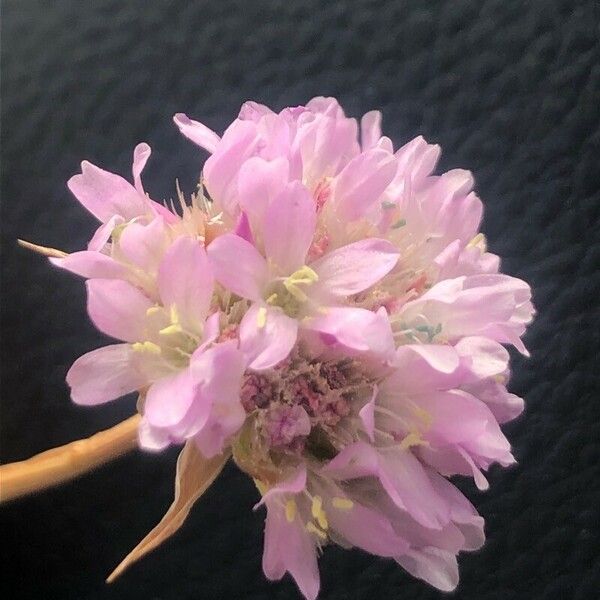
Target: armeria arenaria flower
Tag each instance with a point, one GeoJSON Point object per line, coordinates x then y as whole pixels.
{"type": "Point", "coordinates": [324, 311]}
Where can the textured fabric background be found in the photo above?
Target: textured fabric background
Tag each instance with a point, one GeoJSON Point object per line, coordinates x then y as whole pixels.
{"type": "Point", "coordinates": [510, 89]}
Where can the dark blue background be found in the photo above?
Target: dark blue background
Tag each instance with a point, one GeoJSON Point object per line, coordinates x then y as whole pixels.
{"type": "Point", "coordinates": [510, 89]}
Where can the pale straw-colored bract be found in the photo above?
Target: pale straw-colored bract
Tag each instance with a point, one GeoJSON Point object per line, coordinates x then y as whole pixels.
{"type": "Point", "coordinates": [325, 309]}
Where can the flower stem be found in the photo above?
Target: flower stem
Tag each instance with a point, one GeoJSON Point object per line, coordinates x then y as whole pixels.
{"type": "Point", "coordinates": [43, 250]}
{"type": "Point", "coordinates": [67, 462]}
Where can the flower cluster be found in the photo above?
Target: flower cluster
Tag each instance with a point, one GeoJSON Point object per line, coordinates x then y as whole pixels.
{"type": "Point", "coordinates": [324, 309]}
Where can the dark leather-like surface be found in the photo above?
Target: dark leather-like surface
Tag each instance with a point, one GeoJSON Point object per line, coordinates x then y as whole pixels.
{"type": "Point", "coordinates": [511, 90]}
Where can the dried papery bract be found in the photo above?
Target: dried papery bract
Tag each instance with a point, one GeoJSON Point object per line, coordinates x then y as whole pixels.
{"type": "Point", "coordinates": [193, 477]}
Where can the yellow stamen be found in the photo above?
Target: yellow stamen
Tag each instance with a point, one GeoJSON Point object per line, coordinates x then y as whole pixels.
{"type": "Point", "coordinates": [290, 510]}
{"type": "Point", "coordinates": [261, 317]}
{"type": "Point", "coordinates": [478, 241]}
{"type": "Point", "coordinates": [117, 231]}
{"type": "Point", "coordinates": [318, 513]}
{"type": "Point", "coordinates": [171, 329]}
{"type": "Point", "coordinates": [272, 299]}
{"type": "Point", "coordinates": [422, 414]}
{"type": "Point", "coordinates": [342, 503]}
{"type": "Point", "coordinates": [153, 310]}
{"type": "Point", "coordinates": [150, 347]}
{"type": "Point", "coordinates": [303, 276]}
{"type": "Point", "coordinates": [173, 314]}
{"type": "Point", "coordinates": [317, 505]}
{"type": "Point", "coordinates": [295, 291]}
{"type": "Point", "coordinates": [312, 528]}
{"type": "Point", "coordinates": [262, 487]}
{"type": "Point", "coordinates": [413, 439]}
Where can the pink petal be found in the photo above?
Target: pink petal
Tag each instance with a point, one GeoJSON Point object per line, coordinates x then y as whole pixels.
{"type": "Point", "coordinates": [325, 144]}
{"type": "Point", "coordinates": [466, 433]}
{"type": "Point", "coordinates": [452, 208]}
{"type": "Point", "coordinates": [238, 266]}
{"type": "Point", "coordinates": [326, 105]}
{"type": "Point", "coordinates": [401, 475]}
{"type": "Point", "coordinates": [355, 460]}
{"type": "Point", "coordinates": [222, 168]}
{"type": "Point", "coordinates": [457, 259]}
{"type": "Point", "coordinates": [289, 228]}
{"type": "Point", "coordinates": [452, 459]}
{"type": "Point", "coordinates": [169, 399]}
{"type": "Point", "coordinates": [273, 566]}
{"type": "Point", "coordinates": [103, 375]}
{"type": "Point", "coordinates": [211, 328]}
{"type": "Point", "coordinates": [220, 368]}
{"type": "Point", "coordinates": [145, 245]}
{"type": "Point", "coordinates": [277, 133]}
{"type": "Point", "coordinates": [436, 567]}
{"type": "Point", "coordinates": [421, 368]}
{"type": "Point", "coordinates": [483, 357]}
{"type": "Point", "coordinates": [185, 281]}
{"type": "Point", "coordinates": [355, 267]}
{"type": "Point", "coordinates": [152, 438]}
{"type": "Point", "coordinates": [265, 346]}
{"type": "Point", "coordinates": [408, 484]}
{"type": "Point", "coordinates": [439, 357]}
{"type": "Point", "coordinates": [243, 228]}
{"type": "Point", "coordinates": [480, 480]}
{"type": "Point", "coordinates": [197, 132]}
{"type": "Point", "coordinates": [355, 328]}
{"type": "Point", "coordinates": [289, 547]}
{"type": "Point", "coordinates": [491, 305]}
{"type": "Point", "coordinates": [366, 529]}
{"type": "Point", "coordinates": [141, 154]}
{"type": "Point", "coordinates": [294, 484]}
{"type": "Point", "coordinates": [105, 194]}
{"type": "Point", "coordinates": [91, 264]}
{"type": "Point", "coordinates": [418, 159]}
{"type": "Point", "coordinates": [259, 182]}
{"type": "Point", "coordinates": [117, 308]}
{"type": "Point", "coordinates": [462, 512]}
{"type": "Point", "coordinates": [367, 415]}
{"type": "Point", "coordinates": [160, 210]}
{"type": "Point", "coordinates": [370, 129]}
{"type": "Point", "coordinates": [104, 233]}
{"type": "Point", "coordinates": [253, 111]}
{"type": "Point", "coordinates": [449, 537]}
{"type": "Point", "coordinates": [458, 417]}
{"type": "Point", "coordinates": [361, 183]}
{"type": "Point", "coordinates": [504, 405]}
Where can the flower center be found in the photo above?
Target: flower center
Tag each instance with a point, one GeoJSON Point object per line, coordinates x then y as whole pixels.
{"type": "Point", "coordinates": [168, 337]}
{"type": "Point", "coordinates": [289, 293]}
{"type": "Point", "coordinates": [302, 407]}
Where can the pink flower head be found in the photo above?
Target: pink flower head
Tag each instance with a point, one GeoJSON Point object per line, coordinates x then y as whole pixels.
{"type": "Point", "coordinates": [136, 231]}
{"type": "Point", "coordinates": [326, 311]}
{"type": "Point", "coordinates": [305, 143]}
{"type": "Point", "coordinates": [112, 199]}
{"type": "Point", "coordinates": [169, 352]}
{"type": "Point", "coordinates": [287, 293]}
